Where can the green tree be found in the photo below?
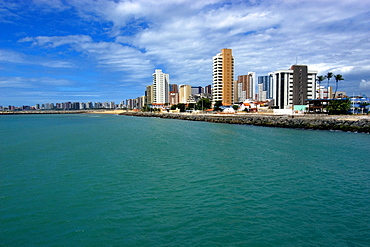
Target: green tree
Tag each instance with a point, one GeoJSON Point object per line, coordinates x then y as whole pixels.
{"type": "Point", "coordinates": [191, 106]}
{"type": "Point", "coordinates": [340, 106]}
{"type": "Point", "coordinates": [217, 106]}
{"type": "Point", "coordinates": [204, 104]}
{"type": "Point", "coordinates": [338, 78]}
{"type": "Point", "coordinates": [320, 78]}
{"type": "Point", "coordinates": [328, 76]}
{"type": "Point", "coordinates": [146, 108]}
{"type": "Point", "coordinates": [179, 106]}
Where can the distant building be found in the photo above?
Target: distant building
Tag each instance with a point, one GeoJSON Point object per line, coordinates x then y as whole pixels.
{"type": "Point", "coordinates": [197, 90]}
{"type": "Point", "coordinates": [89, 105]}
{"type": "Point", "coordinates": [174, 94]}
{"type": "Point", "coordinates": [130, 104]}
{"type": "Point", "coordinates": [340, 94]}
{"type": "Point", "coordinates": [161, 88]}
{"type": "Point", "coordinates": [208, 89]}
{"type": "Point", "coordinates": [244, 87]}
{"type": "Point", "coordinates": [294, 86]}
{"type": "Point", "coordinates": [185, 92]}
{"type": "Point", "coordinates": [174, 88]}
{"type": "Point", "coordinates": [322, 92]}
{"type": "Point", "coordinates": [265, 87]}
{"type": "Point", "coordinates": [223, 77]}
{"type": "Point", "coordinates": [149, 94]}
{"type": "Point", "coordinates": [174, 98]}
{"type": "Point", "coordinates": [48, 106]}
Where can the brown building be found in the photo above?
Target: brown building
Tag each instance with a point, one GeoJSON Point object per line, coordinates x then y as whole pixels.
{"type": "Point", "coordinates": [223, 77]}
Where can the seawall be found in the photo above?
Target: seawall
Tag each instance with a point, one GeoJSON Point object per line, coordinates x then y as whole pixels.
{"type": "Point", "coordinates": [320, 122]}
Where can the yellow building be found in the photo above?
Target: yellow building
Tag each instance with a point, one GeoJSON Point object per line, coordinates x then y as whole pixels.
{"type": "Point", "coordinates": [223, 77]}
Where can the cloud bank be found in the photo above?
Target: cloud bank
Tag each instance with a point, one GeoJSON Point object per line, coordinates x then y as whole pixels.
{"type": "Point", "coordinates": [120, 43]}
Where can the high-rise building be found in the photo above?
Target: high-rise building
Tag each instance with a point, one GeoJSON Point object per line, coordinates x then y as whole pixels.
{"type": "Point", "coordinates": [174, 88]}
{"type": "Point", "coordinates": [223, 77]}
{"type": "Point", "coordinates": [185, 92]}
{"type": "Point", "coordinates": [149, 94]}
{"type": "Point", "coordinates": [197, 90]}
{"type": "Point", "coordinates": [265, 87]}
{"type": "Point", "coordinates": [161, 87]}
{"type": "Point", "coordinates": [174, 98]}
{"type": "Point", "coordinates": [208, 89]}
{"type": "Point", "coordinates": [174, 94]}
{"type": "Point", "coordinates": [294, 86]}
{"type": "Point", "coordinates": [245, 87]}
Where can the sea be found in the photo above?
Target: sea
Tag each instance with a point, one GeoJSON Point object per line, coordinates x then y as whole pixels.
{"type": "Point", "coordinates": [110, 180]}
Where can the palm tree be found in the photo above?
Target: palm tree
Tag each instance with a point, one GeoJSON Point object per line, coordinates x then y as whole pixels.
{"type": "Point", "coordinates": [338, 78]}
{"type": "Point", "coordinates": [328, 76]}
{"type": "Point", "coordinates": [319, 79]}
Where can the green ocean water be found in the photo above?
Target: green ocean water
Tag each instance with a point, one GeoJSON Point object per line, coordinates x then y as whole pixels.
{"type": "Point", "coordinates": [107, 180]}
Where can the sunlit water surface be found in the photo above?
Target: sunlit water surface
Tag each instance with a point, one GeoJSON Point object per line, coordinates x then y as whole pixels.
{"type": "Point", "coordinates": [107, 180]}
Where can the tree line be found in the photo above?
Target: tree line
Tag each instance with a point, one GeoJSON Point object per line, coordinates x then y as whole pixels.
{"type": "Point", "coordinates": [328, 76]}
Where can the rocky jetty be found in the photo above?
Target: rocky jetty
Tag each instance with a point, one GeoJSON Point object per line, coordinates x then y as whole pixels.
{"type": "Point", "coordinates": [320, 122]}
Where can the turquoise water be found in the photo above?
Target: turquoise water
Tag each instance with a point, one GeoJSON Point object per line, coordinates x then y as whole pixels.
{"type": "Point", "coordinates": [107, 180]}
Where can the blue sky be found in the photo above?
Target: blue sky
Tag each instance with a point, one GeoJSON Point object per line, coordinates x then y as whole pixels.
{"type": "Point", "coordinates": [104, 50]}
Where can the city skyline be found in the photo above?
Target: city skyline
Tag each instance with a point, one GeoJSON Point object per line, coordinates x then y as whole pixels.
{"type": "Point", "coordinates": [59, 51]}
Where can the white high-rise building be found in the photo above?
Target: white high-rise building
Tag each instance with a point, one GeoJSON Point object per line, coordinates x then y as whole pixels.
{"type": "Point", "coordinates": [294, 86]}
{"type": "Point", "coordinates": [161, 88]}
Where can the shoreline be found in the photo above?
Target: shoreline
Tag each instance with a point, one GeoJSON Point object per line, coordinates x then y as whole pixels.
{"type": "Point", "coordinates": [117, 112]}
{"type": "Point", "coordinates": [349, 123]}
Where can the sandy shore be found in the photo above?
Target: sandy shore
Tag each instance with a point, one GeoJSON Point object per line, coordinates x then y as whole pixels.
{"type": "Point", "coordinates": [106, 112]}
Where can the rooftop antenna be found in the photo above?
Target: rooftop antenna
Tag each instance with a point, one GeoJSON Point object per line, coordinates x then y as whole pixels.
{"type": "Point", "coordinates": [296, 60]}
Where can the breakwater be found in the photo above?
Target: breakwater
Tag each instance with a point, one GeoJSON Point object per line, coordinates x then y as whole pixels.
{"type": "Point", "coordinates": [321, 122]}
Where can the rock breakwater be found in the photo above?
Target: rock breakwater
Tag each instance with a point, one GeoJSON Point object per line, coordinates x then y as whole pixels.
{"type": "Point", "coordinates": [321, 122]}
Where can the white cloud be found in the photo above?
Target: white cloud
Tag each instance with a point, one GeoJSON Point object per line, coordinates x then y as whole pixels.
{"type": "Point", "coordinates": [56, 41]}
{"type": "Point", "coordinates": [182, 36]}
{"type": "Point", "coordinates": [20, 58]}
{"type": "Point", "coordinates": [364, 84]}
{"type": "Point", "coordinates": [32, 82]}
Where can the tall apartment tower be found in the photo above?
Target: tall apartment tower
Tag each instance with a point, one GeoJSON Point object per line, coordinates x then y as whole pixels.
{"type": "Point", "coordinates": [185, 92]}
{"type": "Point", "coordinates": [265, 87]}
{"type": "Point", "coordinates": [174, 94]}
{"type": "Point", "coordinates": [161, 88]}
{"type": "Point", "coordinates": [245, 87]}
{"type": "Point", "coordinates": [208, 89]}
{"type": "Point", "coordinates": [149, 94]}
{"type": "Point", "coordinates": [223, 77]}
{"type": "Point", "coordinates": [294, 86]}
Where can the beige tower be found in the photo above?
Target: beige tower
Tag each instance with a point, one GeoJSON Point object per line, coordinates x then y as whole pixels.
{"type": "Point", "coordinates": [223, 77]}
{"type": "Point", "coordinates": [185, 92]}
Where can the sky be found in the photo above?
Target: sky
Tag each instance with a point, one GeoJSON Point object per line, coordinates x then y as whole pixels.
{"type": "Point", "coordinates": [107, 50]}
